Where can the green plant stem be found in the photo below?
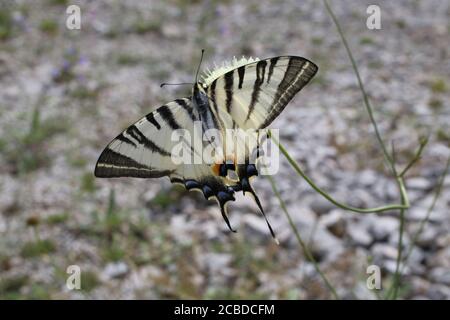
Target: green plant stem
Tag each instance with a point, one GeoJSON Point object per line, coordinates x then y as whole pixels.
{"type": "Point", "coordinates": [361, 87]}
{"type": "Point", "coordinates": [300, 241]}
{"type": "Point", "coordinates": [397, 273]}
{"type": "Point", "coordinates": [297, 168]}
{"type": "Point", "coordinates": [389, 159]}
{"type": "Point", "coordinates": [429, 211]}
{"type": "Point", "coordinates": [392, 291]}
{"type": "Point", "coordinates": [416, 158]}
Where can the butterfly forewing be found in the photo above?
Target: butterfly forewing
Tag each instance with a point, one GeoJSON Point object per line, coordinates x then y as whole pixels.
{"type": "Point", "coordinates": [144, 149]}
{"type": "Point", "coordinates": [256, 93]}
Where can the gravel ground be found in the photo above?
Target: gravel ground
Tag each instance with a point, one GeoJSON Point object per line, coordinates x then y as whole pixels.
{"type": "Point", "coordinates": [65, 93]}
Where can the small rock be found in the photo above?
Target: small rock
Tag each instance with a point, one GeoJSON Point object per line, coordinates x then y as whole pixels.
{"type": "Point", "coordinates": [321, 206]}
{"type": "Point", "coordinates": [390, 266]}
{"type": "Point", "coordinates": [443, 240]}
{"type": "Point", "coordinates": [416, 196]}
{"type": "Point", "coordinates": [115, 270]}
{"type": "Point", "coordinates": [419, 285]}
{"type": "Point", "coordinates": [211, 229]}
{"type": "Point", "coordinates": [324, 245]}
{"type": "Point", "coordinates": [181, 229]}
{"type": "Point", "coordinates": [215, 262]}
{"type": "Point", "coordinates": [427, 238]}
{"type": "Point", "coordinates": [415, 260]}
{"type": "Point", "coordinates": [302, 216]}
{"type": "Point", "coordinates": [367, 178]}
{"type": "Point", "coordinates": [361, 292]}
{"type": "Point", "coordinates": [393, 239]}
{"type": "Point", "coordinates": [170, 31]}
{"type": "Point", "coordinates": [420, 213]}
{"type": "Point", "coordinates": [418, 183]}
{"type": "Point", "coordinates": [440, 275]}
{"type": "Point", "coordinates": [334, 222]}
{"type": "Point", "coordinates": [382, 227]}
{"type": "Point", "coordinates": [357, 198]}
{"type": "Point", "coordinates": [392, 192]}
{"type": "Point", "coordinates": [255, 226]}
{"type": "Point", "coordinates": [384, 251]}
{"type": "Point", "coordinates": [289, 132]}
{"type": "Point", "coordinates": [359, 235]}
{"type": "Point", "coordinates": [441, 259]}
{"type": "Point", "coordinates": [439, 292]}
{"type": "Point", "coordinates": [386, 190]}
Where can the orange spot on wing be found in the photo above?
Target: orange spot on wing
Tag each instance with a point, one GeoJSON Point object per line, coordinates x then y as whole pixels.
{"type": "Point", "coordinates": [216, 168]}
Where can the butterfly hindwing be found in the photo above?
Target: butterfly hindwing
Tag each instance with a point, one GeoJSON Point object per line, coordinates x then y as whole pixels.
{"type": "Point", "coordinates": [144, 149]}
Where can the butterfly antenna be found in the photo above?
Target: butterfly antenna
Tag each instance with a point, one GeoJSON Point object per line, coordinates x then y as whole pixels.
{"type": "Point", "coordinates": [200, 63]}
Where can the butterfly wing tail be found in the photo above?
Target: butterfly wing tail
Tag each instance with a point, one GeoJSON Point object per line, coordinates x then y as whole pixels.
{"type": "Point", "coordinates": [264, 215]}
{"type": "Point", "coordinates": [223, 210]}
{"type": "Point", "coordinates": [245, 172]}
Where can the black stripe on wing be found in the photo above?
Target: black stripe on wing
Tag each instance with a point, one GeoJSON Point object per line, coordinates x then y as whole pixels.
{"type": "Point", "coordinates": [228, 89]}
{"type": "Point", "coordinates": [298, 73]}
{"type": "Point", "coordinates": [183, 103]}
{"type": "Point", "coordinates": [168, 117]}
{"type": "Point", "coordinates": [151, 118]}
{"type": "Point", "coordinates": [112, 164]}
{"type": "Point", "coordinates": [273, 62]}
{"type": "Point", "coordinates": [260, 71]}
{"type": "Point", "coordinates": [241, 73]}
{"type": "Point", "coordinates": [212, 93]}
{"type": "Point", "coordinates": [134, 132]}
{"type": "Point", "coordinates": [122, 138]}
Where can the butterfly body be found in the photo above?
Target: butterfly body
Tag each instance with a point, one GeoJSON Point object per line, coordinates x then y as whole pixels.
{"type": "Point", "coordinates": [242, 98]}
{"type": "Point", "coordinates": [201, 103]}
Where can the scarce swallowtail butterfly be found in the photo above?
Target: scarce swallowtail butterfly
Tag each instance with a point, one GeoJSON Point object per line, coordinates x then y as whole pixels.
{"type": "Point", "coordinates": [245, 94]}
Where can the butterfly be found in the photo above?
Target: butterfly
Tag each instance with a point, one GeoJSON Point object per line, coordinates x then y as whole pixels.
{"type": "Point", "coordinates": [245, 94]}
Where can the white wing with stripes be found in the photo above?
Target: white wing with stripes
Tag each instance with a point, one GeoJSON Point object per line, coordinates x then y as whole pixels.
{"type": "Point", "coordinates": [247, 94]}
{"type": "Point", "coordinates": [144, 149]}
{"type": "Point", "coordinates": [254, 94]}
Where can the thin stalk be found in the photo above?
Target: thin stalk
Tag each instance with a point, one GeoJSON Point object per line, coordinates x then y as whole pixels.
{"type": "Point", "coordinates": [389, 159]}
{"type": "Point", "coordinates": [419, 231]}
{"type": "Point", "coordinates": [361, 87]}
{"type": "Point", "coordinates": [397, 273]}
{"type": "Point", "coordinates": [297, 168]}
{"type": "Point", "coordinates": [429, 211]}
{"type": "Point", "coordinates": [300, 241]}
{"type": "Point", "coordinates": [416, 157]}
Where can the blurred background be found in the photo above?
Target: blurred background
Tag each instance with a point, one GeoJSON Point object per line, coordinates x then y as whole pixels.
{"type": "Point", "coordinates": [64, 94]}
